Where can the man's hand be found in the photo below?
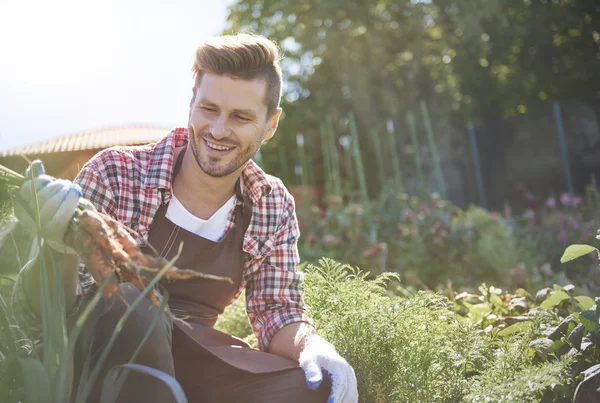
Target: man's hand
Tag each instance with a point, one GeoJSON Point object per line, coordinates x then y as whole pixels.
{"type": "Point", "coordinates": [318, 357]}
{"type": "Point", "coordinates": [57, 201]}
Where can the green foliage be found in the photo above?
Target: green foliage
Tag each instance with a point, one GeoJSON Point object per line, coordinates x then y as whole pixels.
{"type": "Point", "coordinates": [496, 246]}
{"type": "Point", "coordinates": [44, 374]}
{"type": "Point", "coordinates": [417, 348]}
{"type": "Point", "coordinates": [509, 380]}
{"type": "Point", "coordinates": [402, 350]}
{"type": "Point", "coordinates": [234, 321]}
{"type": "Point", "coordinates": [476, 59]}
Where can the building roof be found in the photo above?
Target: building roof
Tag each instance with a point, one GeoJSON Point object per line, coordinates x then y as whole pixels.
{"type": "Point", "coordinates": [93, 140]}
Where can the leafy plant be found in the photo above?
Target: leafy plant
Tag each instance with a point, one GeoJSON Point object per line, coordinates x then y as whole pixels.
{"type": "Point", "coordinates": [403, 350]}
{"type": "Point", "coordinates": [45, 377]}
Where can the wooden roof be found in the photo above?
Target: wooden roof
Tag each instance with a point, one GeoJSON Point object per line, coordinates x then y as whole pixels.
{"type": "Point", "coordinates": [92, 140]}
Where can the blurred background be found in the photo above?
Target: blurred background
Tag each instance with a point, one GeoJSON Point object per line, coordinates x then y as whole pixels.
{"type": "Point", "coordinates": [435, 138]}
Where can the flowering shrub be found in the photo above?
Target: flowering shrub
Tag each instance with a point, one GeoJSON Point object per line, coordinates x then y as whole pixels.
{"type": "Point", "coordinates": [429, 241]}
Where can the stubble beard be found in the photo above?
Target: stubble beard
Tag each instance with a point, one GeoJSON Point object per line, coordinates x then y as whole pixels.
{"type": "Point", "coordinates": [212, 166]}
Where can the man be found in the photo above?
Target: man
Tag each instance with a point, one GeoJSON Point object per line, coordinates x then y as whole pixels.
{"type": "Point", "coordinates": [199, 186]}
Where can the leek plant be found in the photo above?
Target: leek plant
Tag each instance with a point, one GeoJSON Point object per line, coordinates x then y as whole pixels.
{"type": "Point", "coordinates": [28, 376]}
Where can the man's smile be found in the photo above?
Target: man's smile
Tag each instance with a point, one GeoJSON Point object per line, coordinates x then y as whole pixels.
{"type": "Point", "coordinates": [216, 147]}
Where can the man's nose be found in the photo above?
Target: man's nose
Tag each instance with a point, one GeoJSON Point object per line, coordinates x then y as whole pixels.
{"type": "Point", "coordinates": [219, 127]}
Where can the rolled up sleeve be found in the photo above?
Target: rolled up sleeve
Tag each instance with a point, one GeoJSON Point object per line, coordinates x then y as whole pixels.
{"type": "Point", "coordinates": [274, 294]}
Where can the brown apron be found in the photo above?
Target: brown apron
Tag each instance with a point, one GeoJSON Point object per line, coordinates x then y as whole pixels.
{"type": "Point", "coordinates": [200, 300]}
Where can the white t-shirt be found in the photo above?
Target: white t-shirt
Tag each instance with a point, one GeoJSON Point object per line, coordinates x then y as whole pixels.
{"type": "Point", "coordinates": [212, 229]}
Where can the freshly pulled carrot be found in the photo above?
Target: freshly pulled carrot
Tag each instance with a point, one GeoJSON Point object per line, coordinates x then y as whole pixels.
{"type": "Point", "coordinates": [108, 250]}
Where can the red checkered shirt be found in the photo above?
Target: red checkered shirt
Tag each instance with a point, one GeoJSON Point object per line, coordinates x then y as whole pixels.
{"type": "Point", "coordinates": [131, 183]}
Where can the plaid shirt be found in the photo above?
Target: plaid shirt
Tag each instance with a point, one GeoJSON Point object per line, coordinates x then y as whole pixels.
{"type": "Point", "coordinates": [131, 183]}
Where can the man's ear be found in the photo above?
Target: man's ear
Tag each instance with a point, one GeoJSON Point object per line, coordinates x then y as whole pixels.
{"type": "Point", "coordinates": [273, 122]}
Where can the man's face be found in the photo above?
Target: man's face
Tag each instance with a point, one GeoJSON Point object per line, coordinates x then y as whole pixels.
{"type": "Point", "coordinates": [228, 123]}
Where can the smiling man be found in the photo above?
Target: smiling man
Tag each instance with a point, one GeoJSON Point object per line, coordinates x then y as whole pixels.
{"type": "Point", "coordinates": [199, 186]}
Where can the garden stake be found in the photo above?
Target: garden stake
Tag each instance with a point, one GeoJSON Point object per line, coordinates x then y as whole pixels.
{"type": "Point", "coordinates": [560, 131]}
{"type": "Point", "coordinates": [327, 170]}
{"type": "Point", "coordinates": [302, 157]}
{"type": "Point", "coordinates": [395, 157]}
{"type": "Point", "coordinates": [412, 128]}
{"type": "Point", "coordinates": [433, 148]}
{"type": "Point", "coordinates": [346, 143]}
{"type": "Point", "coordinates": [378, 157]}
{"type": "Point", "coordinates": [284, 166]}
{"type": "Point", "coordinates": [478, 174]}
{"type": "Point", "coordinates": [335, 159]}
{"type": "Point", "coordinates": [362, 182]}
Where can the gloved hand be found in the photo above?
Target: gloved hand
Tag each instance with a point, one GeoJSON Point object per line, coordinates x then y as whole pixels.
{"type": "Point", "coordinates": [319, 356]}
{"type": "Point", "coordinates": [57, 201]}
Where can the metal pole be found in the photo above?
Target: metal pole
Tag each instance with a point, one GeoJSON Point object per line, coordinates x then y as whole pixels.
{"type": "Point", "coordinates": [560, 131]}
{"type": "Point", "coordinates": [478, 173]}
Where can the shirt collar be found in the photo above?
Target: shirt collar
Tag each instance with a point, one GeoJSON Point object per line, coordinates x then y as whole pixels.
{"type": "Point", "coordinates": [159, 174]}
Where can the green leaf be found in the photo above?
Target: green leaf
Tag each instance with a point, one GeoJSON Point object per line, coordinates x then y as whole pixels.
{"type": "Point", "coordinates": [110, 393]}
{"type": "Point", "coordinates": [584, 302]}
{"type": "Point", "coordinates": [589, 320]}
{"type": "Point", "coordinates": [575, 251]}
{"type": "Point", "coordinates": [35, 378]}
{"type": "Point", "coordinates": [555, 299]}
{"type": "Point", "coordinates": [517, 327]}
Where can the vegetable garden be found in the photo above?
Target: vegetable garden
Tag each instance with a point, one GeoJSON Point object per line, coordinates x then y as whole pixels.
{"type": "Point", "coordinates": [441, 308]}
{"type": "Point", "coordinates": [428, 301]}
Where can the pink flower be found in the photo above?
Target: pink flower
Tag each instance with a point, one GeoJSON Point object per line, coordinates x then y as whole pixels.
{"type": "Point", "coordinates": [565, 199]}
{"type": "Point", "coordinates": [577, 201]}
{"type": "Point", "coordinates": [574, 223]}
{"type": "Point", "coordinates": [551, 202]}
{"type": "Point", "coordinates": [409, 216]}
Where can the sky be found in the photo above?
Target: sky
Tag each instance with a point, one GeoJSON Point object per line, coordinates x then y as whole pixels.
{"type": "Point", "coordinates": [69, 66]}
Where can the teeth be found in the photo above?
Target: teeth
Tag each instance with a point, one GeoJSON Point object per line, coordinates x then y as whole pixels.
{"type": "Point", "coordinates": [218, 147]}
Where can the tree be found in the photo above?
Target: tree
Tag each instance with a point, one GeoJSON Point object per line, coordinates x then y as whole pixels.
{"type": "Point", "coordinates": [470, 59]}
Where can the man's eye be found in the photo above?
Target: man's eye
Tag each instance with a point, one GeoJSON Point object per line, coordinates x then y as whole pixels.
{"type": "Point", "coordinates": [242, 118]}
{"type": "Point", "coordinates": [208, 109]}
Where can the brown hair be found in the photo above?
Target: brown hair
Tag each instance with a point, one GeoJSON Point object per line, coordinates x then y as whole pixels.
{"type": "Point", "coordinates": [245, 56]}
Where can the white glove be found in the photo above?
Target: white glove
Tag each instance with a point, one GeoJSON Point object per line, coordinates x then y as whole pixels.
{"type": "Point", "coordinates": [319, 356]}
{"type": "Point", "coordinates": [57, 201]}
